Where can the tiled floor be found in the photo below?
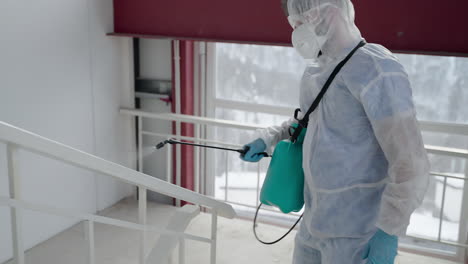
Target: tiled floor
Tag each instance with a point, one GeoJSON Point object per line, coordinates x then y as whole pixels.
{"type": "Point", "coordinates": [237, 244]}
{"type": "Point", "coordinates": [119, 246]}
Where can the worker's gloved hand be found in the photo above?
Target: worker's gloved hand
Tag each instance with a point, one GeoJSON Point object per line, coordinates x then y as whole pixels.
{"type": "Point", "coordinates": [253, 151]}
{"type": "Point", "coordinates": [382, 249]}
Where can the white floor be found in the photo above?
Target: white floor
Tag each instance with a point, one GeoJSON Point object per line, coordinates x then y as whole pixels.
{"type": "Point", "coordinates": [119, 246]}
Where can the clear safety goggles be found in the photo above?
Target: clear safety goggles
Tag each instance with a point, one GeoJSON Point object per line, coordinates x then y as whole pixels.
{"type": "Point", "coordinates": [295, 21]}
{"type": "Point", "coordinates": [313, 16]}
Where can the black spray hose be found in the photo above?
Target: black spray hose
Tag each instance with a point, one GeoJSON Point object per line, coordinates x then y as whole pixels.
{"type": "Point", "coordinates": [277, 240]}
{"type": "Point", "coordinates": [174, 142]}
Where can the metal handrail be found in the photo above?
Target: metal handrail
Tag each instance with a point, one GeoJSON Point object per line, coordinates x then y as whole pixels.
{"type": "Point", "coordinates": [445, 151]}
{"type": "Point", "coordinates": [439, 127]}
{"type": "Point", "coordinates": [426, 126]}
{"type": "Point", "coordinates": [432, 126]}
{"type": "Point", "coordinates": [190, 119]}
{"type": "Point", "coordinates": [448, 128]}
{"type": "Point", "coordinates": [5, 201]}
{"type": "Point", "coordinates": [43, 146]}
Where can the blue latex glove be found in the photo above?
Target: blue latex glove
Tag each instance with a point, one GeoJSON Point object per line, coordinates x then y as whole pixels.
{"type": "Point", "coordinates": [254, 148]}
{"type": "Point", "coordinates": [382, 249]}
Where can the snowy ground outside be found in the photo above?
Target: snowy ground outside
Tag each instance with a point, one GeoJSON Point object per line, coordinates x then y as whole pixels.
{"type": "Point", "coordinates": [424, 222]}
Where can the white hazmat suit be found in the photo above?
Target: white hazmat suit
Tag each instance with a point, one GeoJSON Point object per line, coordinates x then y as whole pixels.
{"type": "Point", "coordinates": [364, 160]}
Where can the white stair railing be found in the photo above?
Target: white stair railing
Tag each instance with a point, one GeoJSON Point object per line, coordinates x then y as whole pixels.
{"type": "Point", "coordinates": [16, 138]}
{"type": "Point", "coordinates": [456, 129]}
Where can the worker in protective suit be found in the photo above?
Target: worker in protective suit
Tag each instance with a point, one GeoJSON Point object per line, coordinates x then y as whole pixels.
{"type": "Point", "coordinates": [366, 169]}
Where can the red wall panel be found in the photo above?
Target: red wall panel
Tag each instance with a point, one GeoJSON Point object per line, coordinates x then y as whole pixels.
{"type": "Point", "coordinates": [239, 20]}
{"type": "Point", "coordinates": [414, 26]}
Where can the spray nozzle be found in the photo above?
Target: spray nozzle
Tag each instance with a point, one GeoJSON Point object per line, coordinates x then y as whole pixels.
{"type": "Point", "coordinates": [161, 145]}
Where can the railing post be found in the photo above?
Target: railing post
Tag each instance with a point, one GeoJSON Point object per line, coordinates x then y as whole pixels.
{"type": "Point", "coordinates": [196, 166]}
{"type": "Point", "coordinates": [178, 149]}
{"type": "Point", "coordinates": [442, 208]}
{"type": "Point", "coordinates": [178, 182]}
{"type": "Point", "coordinates": [463, 230]}
{"type": "Point", "coordinates": [258, 185]}
{"type": "Point", "coordinates": [142, 221]}
{"type": "Point", "coordinates": [89, 234]}
{"type": "Point", "coordinates": [178, 110]}
{"type": "Point", "coordinates": [140, 144]}
{"type": "Point", "coordinates": [141, 195]}
{"type": "Point", "coordinates": [169, 163]}
{"type": "Point", "coordinates": [204, 170]}
{"type": "Point", "coordinates": [214, 230]}
{"type": "Point", "coordinates": [16, 213]}
{"type": "Point", "coordinates": [182, 251]}
{"type": "Point", "coordinates": [203, 133]}
{"type": "Point", "coordinates": [226, 173]}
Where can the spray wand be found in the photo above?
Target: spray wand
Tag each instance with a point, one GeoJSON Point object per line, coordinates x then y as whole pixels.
{"type": "Point", "coordinates": [174, 142]}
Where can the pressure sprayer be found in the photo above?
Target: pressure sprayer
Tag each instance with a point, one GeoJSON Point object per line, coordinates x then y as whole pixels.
{"type": "Point", "coordinates": [284, 183]}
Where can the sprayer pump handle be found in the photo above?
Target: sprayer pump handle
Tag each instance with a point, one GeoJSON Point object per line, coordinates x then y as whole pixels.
{"type": "Point", "coordinates": [247, 148]}
{"type": "Point", "coordinates": [244, 151]}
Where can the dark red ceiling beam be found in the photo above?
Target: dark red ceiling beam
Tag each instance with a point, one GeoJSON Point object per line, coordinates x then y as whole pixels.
{"type": "Point", "coordinates": [416, 26]}
{"type": "Point", "coordinates": [411, 26]}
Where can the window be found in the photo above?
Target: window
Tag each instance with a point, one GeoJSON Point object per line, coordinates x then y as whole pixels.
{"type": "Point", "coordinates": [256, 85]}
{"type": "Point", "coordinates": [258, 74]}
{"type": "Point", "coordinates": [439, 87]}
{"type": "Point", "coordinates": [248, 75]}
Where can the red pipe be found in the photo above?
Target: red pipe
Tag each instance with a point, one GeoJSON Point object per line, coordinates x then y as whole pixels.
{"type": "Point", "coordinates": [187, 108]}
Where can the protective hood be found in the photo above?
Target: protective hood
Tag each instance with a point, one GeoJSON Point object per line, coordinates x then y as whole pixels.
{"type": "Point", "coordinates": [324, 27]}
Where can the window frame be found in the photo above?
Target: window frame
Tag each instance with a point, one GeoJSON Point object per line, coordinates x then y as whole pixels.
{"type": "Point", "coordinates": [212, 102]}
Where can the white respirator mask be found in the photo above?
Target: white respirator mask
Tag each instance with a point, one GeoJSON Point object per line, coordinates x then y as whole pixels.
{"type": "Point", "coordinates": [311, 31]}
{"type": "Point", "coordinates": [306, 42]}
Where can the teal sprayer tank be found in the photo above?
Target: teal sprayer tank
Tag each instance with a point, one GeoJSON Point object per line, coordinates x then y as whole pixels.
{"type": "Point", "coordinates": [284, 184]}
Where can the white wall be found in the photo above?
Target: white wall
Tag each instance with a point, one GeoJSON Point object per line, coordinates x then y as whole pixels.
{"type": "Point", "coordinates": [155, 63]}
{"type": "Point", "coordinates": [63, 78]}
{"type": "Point", "coordinates": [155, 59]}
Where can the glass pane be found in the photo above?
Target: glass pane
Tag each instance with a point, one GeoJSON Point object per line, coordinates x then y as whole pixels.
{"type": "Point", "coordinates": [425, 221]}
{"type": "Point", "coordinates": [445, 140]}
{"type": "Point", "coordinates": [238, 136]}
{"type": "Point", "coordinates": [446, 164]}
{"type": "Point", "coordinates": [271, 75]}
{"type": "Point", "coordinates": [258, 74]}
{"type": "Point", "coordinates": [242, 176]}
{"type": "Point", "coordinates": [452, 210]}
{"type": "Point", "coordinates": [439, 86]}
